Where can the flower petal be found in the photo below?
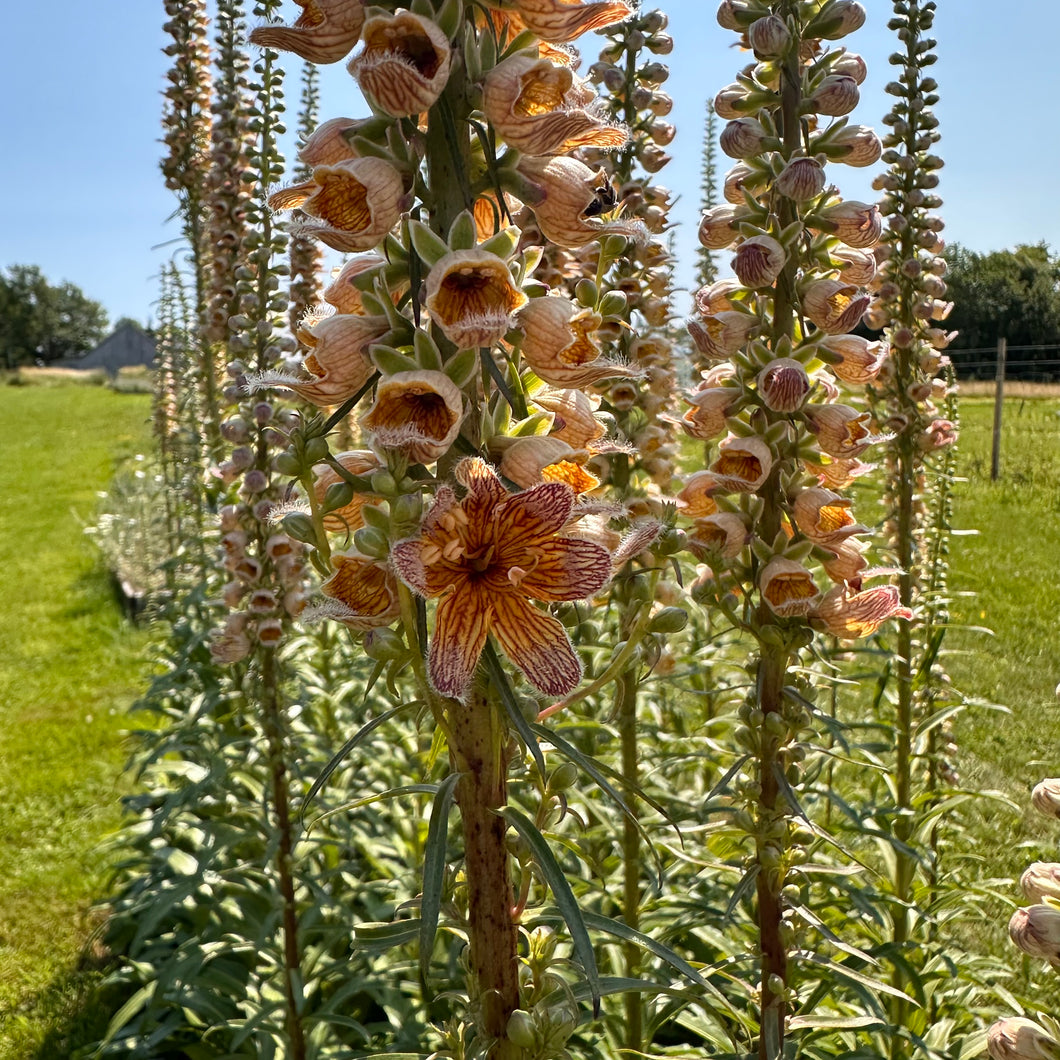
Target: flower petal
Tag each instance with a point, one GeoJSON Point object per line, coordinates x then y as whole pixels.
{"type": "Point", "coordinates": [460, 627]}
{"type": "Point", "coordinates": [569, 569]}
{"type": "Point", "coordinates": [534, 515]}
{"type": "Point", "coordinates": [537, 643]}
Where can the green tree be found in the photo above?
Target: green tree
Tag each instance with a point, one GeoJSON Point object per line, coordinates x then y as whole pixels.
{"type": "Point", "coordinates": [39, 321]}
{"type": "Point", "coordinates": [1013, 294]}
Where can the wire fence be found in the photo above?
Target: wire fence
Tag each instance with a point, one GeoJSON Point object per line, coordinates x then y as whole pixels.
{"type": "Point", "coordinates": [981, 363]}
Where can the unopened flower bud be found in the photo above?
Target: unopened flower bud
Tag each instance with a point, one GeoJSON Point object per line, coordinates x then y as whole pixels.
{"type": "Point", "coordinates": [1046, 797]}
{"type": "Point", "coordinates": [1017, 1038]}
{"type": "Point", "coordinates": [801, 179]}
{"type": "Point", "coordinates": [758, 261]}
{"type": "Point", "coordinates": [743, 138]}
{"type": "Point", "coordinates": [836, 95]}
{"type": "Point", "coordinates": [717, 229]}
{"type": "Point", "coordinates": [769, 37]}
{"type": "Point", "coordinates": [1035, 929]}
{"type": "Point", "coordinates": [783, 385]}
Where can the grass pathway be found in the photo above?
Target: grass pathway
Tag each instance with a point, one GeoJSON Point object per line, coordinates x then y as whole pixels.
{"type": "Point", "coordinates": [69, 668]}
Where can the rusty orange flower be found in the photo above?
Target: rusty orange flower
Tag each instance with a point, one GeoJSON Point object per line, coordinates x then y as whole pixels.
{"type": "Point", "coordinates": [482, 557]}
{"type": "Point", "coordinates": [364, 591]}
{"type": "Point", "coordinates": [325, 32]}
{"type": "Point", "coordinates": [559, 21]}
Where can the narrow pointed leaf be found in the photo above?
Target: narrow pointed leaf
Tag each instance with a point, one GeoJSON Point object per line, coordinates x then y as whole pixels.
{"type": "Point", "coordinates": [563, 895]}
{"type": "Point", "coordinates": [434, 871]}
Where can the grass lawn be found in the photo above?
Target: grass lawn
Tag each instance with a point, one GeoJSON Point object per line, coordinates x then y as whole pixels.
{"type": "Point", "coordinates": [69, 669]}
{"type": "Point", "coordinates": [1013, 568]}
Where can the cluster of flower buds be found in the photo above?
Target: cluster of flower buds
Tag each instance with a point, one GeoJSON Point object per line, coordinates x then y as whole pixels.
{"type": "Point", "coordinates": [630, 75]}
{"type": "Point", "coordinates": [909, 288]}
{"type": "Point", "coordinates": [1035, 929]}
{"type": "Point", "coordinates": [227, 195]}
{"type": "Point", "coordinates": [186, 118]}
{"type": "Point", "coordinates": [266, 566]}
{"type": "Point", "coordinates": [305, 253]}
{"type": "Point", "coordinates": [779, 336]}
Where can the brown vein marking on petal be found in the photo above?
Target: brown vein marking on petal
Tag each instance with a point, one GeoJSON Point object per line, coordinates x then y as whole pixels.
{"type": "Point", "coordinates": [567, 568]}
{"type": "Point", "coordinates": [364, 586]}
{"type": "Point", "coordinates": [785, 588]}
{"type": "Point", "coordinates": [475, 291]}
{"type": "Point", "coordinates": [461, 625]}
{"type": "Point", "coordinates": [342, 201]}
{"type": "Point", "coordinates": [537, 644]}
{"type": "Point", "coordinates": [404, 38]}
{"type": "Point", "coordinates": [558, 21]}
{"type": "Point", "coordinates": [833, 517]}
{"type": "Point", "coordinates": [572, 474]}
{"type": "Point", "coordinates": [542, 90]}
{"type": "Point", "coordinates": [533, 516]}
{"type": "Point", "coordinates": [582, 349]}
{"type": "Point", "coordinates": [737, 465]}
{"type": "Point", "coordinates": [291, 197]}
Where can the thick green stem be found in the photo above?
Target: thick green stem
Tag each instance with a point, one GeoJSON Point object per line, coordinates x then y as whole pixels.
{"type": "Point", "coordinates": [772, 668]}
{"type": "Point", "coordinates": [477, 742]}
{"type": "Point", "coordinates": [626, 702]}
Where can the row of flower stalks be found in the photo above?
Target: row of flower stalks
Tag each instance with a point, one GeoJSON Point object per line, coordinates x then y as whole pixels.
{"type": "Point", "coordinates": [768, 519]}
{"type": "Point", "coordinates": [1035, 929]}
{"type": "Point", "coordinates": [469, 381]}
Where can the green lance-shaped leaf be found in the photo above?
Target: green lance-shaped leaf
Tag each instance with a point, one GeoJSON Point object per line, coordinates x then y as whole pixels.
{"type": "Point", "coordinates": [434, 871]}
{"type": "Point", "coordinates": [595, 770]}
{"type": "Point", "coordinates": [563, 895]}
{"type": "Point", "coordinates": [340, 755]}
{"type": "Point", "coordinates": [515, 715]}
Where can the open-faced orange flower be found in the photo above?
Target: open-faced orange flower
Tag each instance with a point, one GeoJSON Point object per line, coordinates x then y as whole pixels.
{"type": "Point", "coordinates": [338, 363]}
{"type": "Point", "coordinates": [356, 202]}
{"type": "Point", "coordinates": [825, 517]}
{"type": "Point", "coordinates": [404, 64]}
{"type": "Point", "coordinates": [418, 413]}
{"type": "Point", "coordinates": [574, 416]}
{"type": "Point", "coordinates": [341, 292]}
{"type": "Point", "coordinates": [696, 500]}
{"type": "Point", "coordinates": [482, 557]}
{"type": "Point", "coordinates": [365, 589]}
{"type": "Point", "coordinates": [545, 458]}
{"type": "Point", "coordinates": [841, 431]}
{"type": "Point", "coordinates": [558, 344]}
{"type": "Point", "coordinates": [788, 587]}
{"type": "Point", "coordinates": [859, 360]}
{"type": "Point", "coordinates": [722, 535]}
{"type": "Point", "coordinates": [348, 518]}
{"type": "Point", "coordinates": [325, 32]}
{"type": "Point", "coordinates": [538, 107]}
{"type": "Point", "coordinates": [835, 307]}
{"type": "Point", "coordinates": [328, 144]}
{"type": "Point", "coordinates": [743, 464]}
{"type": "Point", "coordinates": [570, 197]}
{"type": "Point", "coordinates": [848, 615]}
{"type": "Point", "coordinates": [710, 406]}
{"type": "Point", "coordinates": [471, 296]}
{"type": "Point", "coordinates": [558, 21]}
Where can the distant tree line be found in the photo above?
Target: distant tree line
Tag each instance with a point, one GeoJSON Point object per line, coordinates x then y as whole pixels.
{"type": "Point", "coordinates": [1013, 294]}
{"type": "Point", "coordinates": [43, 322]}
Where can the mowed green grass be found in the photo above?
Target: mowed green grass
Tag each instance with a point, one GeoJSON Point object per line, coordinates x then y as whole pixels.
{"type": "Point", "coordinates": [1013, 568]}
{"type": "Point", "coordinates": [69, 668]}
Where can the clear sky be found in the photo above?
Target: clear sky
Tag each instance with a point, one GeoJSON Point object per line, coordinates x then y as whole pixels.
{"type": "Point", "coordinates": [80, 85]}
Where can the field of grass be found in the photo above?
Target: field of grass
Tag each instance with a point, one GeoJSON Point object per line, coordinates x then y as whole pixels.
{"type": "Point", "coordinates": [1013, 567]}
{"type": "Point", "coordinates": [69, 669]}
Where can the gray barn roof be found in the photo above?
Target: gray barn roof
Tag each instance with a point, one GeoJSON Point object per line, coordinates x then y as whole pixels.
{"type": "Point", "coordinates": [127, 347]}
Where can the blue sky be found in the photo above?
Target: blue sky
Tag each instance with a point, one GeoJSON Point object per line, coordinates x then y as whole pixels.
{"type": "Point", "coordinates": [79, 124]}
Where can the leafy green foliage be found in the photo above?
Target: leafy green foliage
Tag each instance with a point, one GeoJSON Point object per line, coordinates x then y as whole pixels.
{"type": "Point", "coordinates": [41, 321]}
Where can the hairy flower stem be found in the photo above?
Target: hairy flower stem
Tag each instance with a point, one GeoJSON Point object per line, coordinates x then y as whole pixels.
{"type": "Point", "coordinates": [272, 722]}
{"type": "Point", "coordinates": [477, 751]}
{"type": "Point", "coordinates": [626, 708]}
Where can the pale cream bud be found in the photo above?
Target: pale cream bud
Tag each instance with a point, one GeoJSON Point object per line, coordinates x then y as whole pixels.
{"type": "Point", "coordinates": [836, 95]}
{"type": "Point", "coordinates": [758, 261]}
{"type": "Point", "coordinates": [769, 37]}
{"type": "Point", "coordinates": [801, 179]}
